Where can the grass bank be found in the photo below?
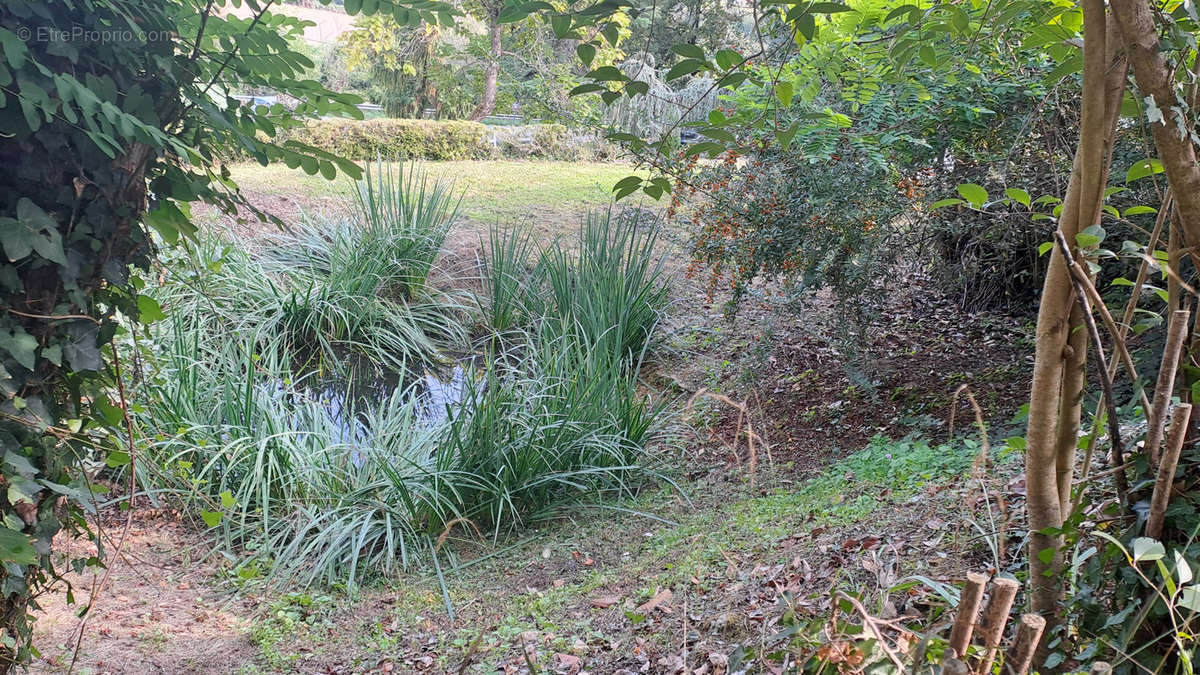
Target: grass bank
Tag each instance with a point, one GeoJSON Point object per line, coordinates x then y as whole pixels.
{"type": "Point", "coordinates": [736, 575]}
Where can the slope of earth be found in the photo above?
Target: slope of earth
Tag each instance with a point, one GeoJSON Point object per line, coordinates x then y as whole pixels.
{"type": "Point", "coordinates": [719, 570]}
{"type": "Point", "coordinates": [720, 573]}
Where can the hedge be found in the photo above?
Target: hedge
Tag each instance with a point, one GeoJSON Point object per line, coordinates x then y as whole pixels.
{"type": "Point", "coordinates": [441, 140]}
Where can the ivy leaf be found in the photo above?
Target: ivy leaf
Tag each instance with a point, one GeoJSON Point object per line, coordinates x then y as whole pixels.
{"type": "Point", "coordinates": [14, 48]}
{"type": "Point", "coordinates": [21, 345]}
{"type": "Point", "coordinates": [15, 548]}
{"type": "Point", "coordinates": [33, 230]}
{"type": "Point", "coordinates": [211, 518]}
{"type": "Point", "coordinates": [81, 350]}
{"type": "Point", "coordinates": [227, 500]}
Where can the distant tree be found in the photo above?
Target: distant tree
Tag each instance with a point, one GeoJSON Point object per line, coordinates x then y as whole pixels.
{"type": "Point", "coordinates": [708, 24]}
{"type": "Point", "coordinates": [488, 11]}
{"type": "Point", "coordinates": [400, 62]}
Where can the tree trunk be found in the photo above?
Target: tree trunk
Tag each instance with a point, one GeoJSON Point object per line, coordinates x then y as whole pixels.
{"type": "Point", "coordinates": [1061, 348]}
{"type": "Point", "coordinates": [492, 74]}
{"type": "Point", "coordinates": [1156, 78]}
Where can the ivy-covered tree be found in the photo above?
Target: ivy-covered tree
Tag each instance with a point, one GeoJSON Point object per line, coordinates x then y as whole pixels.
{"type": "Point", "coordinates": [114, 116]}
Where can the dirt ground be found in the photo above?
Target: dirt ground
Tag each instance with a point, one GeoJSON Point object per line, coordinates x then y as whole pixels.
{"type": "Point", "coordinates": [163, 610]}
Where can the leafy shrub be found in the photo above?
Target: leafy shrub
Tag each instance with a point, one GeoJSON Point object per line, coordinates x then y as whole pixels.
{"type": "Point", "coordinates": [393, 138]}
{"type": "Point", "coordinates": [778, 215]}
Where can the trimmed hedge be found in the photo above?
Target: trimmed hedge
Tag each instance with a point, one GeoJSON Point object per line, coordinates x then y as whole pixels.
{"type": "Point", "coordinates": [442, 140]}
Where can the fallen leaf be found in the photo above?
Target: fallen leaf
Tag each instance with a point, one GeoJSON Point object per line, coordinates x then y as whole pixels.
{"type": "Point", "coordinates": [656, 602]}
{"type": "Point", "coordinates": [566, 663]}
{"type": "Point", "coordinates": [605, 601]}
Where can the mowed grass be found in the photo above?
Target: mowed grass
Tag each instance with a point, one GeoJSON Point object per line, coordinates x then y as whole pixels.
{"type": "Point", "coordinates": [494, 191]}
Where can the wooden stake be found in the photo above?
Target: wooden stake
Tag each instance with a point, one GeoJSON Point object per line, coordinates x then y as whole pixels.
{"type": "Point", "coordinates": [968, 612]}
{"type": "Point", "coordinates": [995, 617]}
{"type": "Point", "coordinates": [1029, 634]}
{"type": "Point", "coordinates": [1166, 470]}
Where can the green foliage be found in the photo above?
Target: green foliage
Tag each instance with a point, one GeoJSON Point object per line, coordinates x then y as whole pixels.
{"type": "Point", "coordinates": [114, 114]}
{"type": "Point", "coordinates": [328, 295]}
{"type": "Point", "coordinates": [608, 296]}
{"type": "Point", "coordinates": [446, 140]}
{"type": "Point", "coordinates": [321, 484]}
{"type": "Point", "coordinates": [785, 215]}
{"type": "Point", "coordinates": [396, 138]}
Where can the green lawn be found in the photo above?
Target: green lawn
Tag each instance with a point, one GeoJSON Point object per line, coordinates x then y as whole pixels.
{"type": "Point", "coordinates": [493, 190]}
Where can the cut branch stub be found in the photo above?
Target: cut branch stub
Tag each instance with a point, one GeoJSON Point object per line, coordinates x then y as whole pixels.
{"type": "Point", "coordinates": [1029, 634]}
{"type": "Point", "coordinates": [968, 613]}
{"type": "Point", "coordinates": [995, 617]}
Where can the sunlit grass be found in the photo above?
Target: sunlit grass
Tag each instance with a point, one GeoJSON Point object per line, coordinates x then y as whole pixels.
{"type": "Point", "coordinates": [495, 191]}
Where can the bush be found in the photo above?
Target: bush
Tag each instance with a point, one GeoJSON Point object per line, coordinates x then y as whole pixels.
{"type": "Point", "coordinates": [780, 216]}
{"type": "Point", "coordinates": [392, 138]}
{"type": "Point", "coordinates": [396, 138]}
